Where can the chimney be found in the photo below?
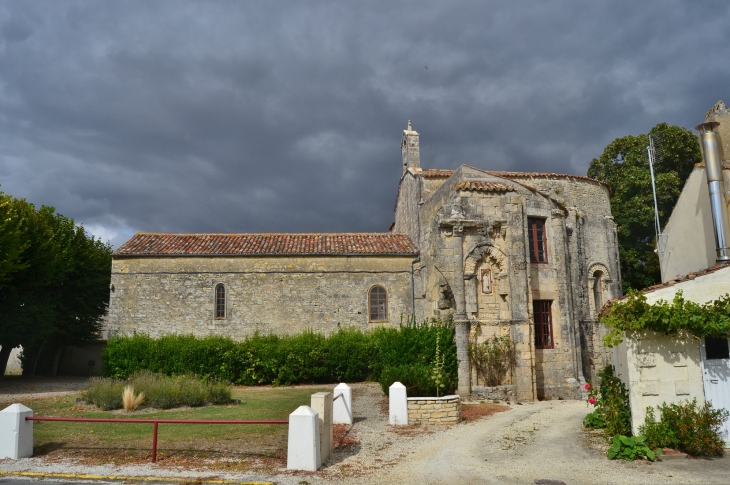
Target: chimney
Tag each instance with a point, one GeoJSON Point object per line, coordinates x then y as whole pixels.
{"type": "Point", "coordinates": [713, 169]}
{"type": "Point", "coordinates": [410, 149]}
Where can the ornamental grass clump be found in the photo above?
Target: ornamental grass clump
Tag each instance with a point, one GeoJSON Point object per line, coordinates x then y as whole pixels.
{"type": "Point", "coordinates": [191, 391]}
{"type": "Point", "coordinates": [131, 401]}
{"type": "Point", "coordinates": [218, 392]}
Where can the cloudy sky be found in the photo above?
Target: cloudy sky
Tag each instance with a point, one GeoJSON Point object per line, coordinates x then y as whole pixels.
{"type": "Point", "coordinates": [218, 116]}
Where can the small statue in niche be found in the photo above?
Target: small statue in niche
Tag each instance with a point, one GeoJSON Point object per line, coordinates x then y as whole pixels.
{"type": "Point", "coordinates": [446, 296]}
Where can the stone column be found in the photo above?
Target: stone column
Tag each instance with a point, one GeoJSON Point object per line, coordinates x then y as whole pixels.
{"type": "Point", "coordinates": [461, 321]}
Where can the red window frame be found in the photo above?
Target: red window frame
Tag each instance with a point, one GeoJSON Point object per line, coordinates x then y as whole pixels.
{"type": "Point", "coordinates": [537, 237]}
{"type": "Point", "coordinates": [543, 319]}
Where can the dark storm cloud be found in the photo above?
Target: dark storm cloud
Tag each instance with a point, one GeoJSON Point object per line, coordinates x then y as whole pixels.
{"type": "Point", "coordinates": [250, 117]}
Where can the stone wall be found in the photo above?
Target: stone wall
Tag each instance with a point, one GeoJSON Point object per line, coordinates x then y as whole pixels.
{"type": "Point", "coordinates": [434, 410]}
{"type": "Point", "coordinates": [283, 295]}
{"type": "Point", "coordinates": [500, 393]}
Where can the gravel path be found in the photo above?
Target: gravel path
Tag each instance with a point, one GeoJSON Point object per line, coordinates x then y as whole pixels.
{"type": "Point", "coordinates": [528, 443]}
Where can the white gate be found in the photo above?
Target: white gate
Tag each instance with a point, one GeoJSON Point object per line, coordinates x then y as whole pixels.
{"type": "Point", "coordinates": [716, 377]}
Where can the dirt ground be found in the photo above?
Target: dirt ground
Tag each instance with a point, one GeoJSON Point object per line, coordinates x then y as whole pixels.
{"type": "Point", "coordinates": [528, 443]}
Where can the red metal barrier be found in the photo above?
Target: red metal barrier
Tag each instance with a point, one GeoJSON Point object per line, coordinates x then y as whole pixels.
{"type": "Point", "coordinates": [155, 422]}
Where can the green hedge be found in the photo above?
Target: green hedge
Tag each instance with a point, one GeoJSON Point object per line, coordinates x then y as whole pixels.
{"type": "Point", "coordinates": [347, 355]}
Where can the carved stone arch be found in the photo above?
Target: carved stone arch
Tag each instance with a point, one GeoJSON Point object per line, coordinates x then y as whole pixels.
{"type": "Point", "coordinates": [480, 251]}
{"type": "Point", "coordinates": [599, 267]}
{"type": "Point", "coordinates": [598, 289]}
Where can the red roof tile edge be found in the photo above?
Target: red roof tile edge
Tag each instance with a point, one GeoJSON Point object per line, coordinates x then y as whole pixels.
{"type": "Point", "coordinates": [444, 173]}
{"type": "Point", "coordinates": [332, 244]}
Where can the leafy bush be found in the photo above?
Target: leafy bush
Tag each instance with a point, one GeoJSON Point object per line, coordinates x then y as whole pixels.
{"type": "Point", "coordinates": [218, 393]}
{"type": "Point", "coordinates": [594, 420]}
{"type": "Point", "coordinates": [346, 355]}
{"type": "Point", "coordinates": [157, 391]}
{"type": "Point", "coordinates": [611, 400]}
{"type": "Point", "coordinates": [105, 393]}
{"type": "Point", "coordinates": [687, 427]}
{"type": "Point", "coordinates": [631, 448]}
{"type": "Point", "coordinates": [416, 378]}
{"type": "Point", "coordinates": [493, 358]}
{"type": "Point", "coordinates": [192, 392]}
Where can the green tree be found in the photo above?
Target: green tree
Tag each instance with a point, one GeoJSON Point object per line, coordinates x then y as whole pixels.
{"type": "Point", "coordinates": [60, 288]}
{"type": "Point", "coordinates": [624, 166]}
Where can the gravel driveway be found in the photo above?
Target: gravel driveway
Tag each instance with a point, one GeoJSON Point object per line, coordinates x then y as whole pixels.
{"type": "Point", "coordinates": [530, 442]}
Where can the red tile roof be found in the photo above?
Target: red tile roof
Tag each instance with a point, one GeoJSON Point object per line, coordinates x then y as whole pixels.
{"type": "Point", "coordinates": [433, 173]}
{"type": "Point", "coordinates": [484, 186]}
{"type": "Point", "coordinates": [374, 244]}
{"type": "Point", "coordinates": [543, 175]}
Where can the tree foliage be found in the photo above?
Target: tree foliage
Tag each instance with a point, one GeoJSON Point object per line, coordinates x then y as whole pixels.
{"type": "Point", "coordinates": [624, 166]}
{"type": "Point", "coordinates": [54, 281]}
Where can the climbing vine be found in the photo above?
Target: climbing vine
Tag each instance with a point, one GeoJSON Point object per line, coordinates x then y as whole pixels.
{"type": "Point", "coordinates": [711, 319]}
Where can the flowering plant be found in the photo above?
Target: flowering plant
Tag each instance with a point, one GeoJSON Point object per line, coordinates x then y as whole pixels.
{"type": "Point", "coordinates": [611, 400]}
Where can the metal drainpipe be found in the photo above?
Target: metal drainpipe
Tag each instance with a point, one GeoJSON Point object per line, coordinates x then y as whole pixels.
{"type": "Point", "coordinates": [413, 290]}
{"type": "Point", "coordinates": [713, 169]}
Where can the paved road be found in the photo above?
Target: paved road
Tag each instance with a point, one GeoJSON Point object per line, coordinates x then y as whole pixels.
{"type": "Point", "coordinates": [540, 441]}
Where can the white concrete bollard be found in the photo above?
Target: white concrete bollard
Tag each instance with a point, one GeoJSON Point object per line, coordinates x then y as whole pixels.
{"type": "Point", "coordinates": [398, 404]}
{"type": "Point", "coordinates": [342, 407]}
{"type": "Point", "coordinates": [16, 434]}
{"type": "Point", "coordinates": [322, 405]}
{"type": "Point", "coordinates": [303, 446]}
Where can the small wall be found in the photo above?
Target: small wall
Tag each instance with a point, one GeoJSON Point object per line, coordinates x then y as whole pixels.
{"type": "Point", "coordinates": [434, 410]}
{"type": "Point", "coordinates": [501, 393]}
{"type": "Point", "coordinates": [659, 369]}
{"type": "Point", "coordinates": [75, 360]}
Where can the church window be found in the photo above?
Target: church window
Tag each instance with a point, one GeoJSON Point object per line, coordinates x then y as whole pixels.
{"type": "Point", "coordinates": [542, 313]}
{"type": "Point", "coordinates": [378, 304]}
{"type": "Point", "coordinates": [537, 239]}
{"type": "Point", "coordinates": [220, 301]}
{"type": "Point", "coordinates": [597, 290]}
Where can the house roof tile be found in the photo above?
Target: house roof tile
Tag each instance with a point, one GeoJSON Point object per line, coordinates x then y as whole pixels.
{"type": "Point", "coordinates": [366, 244]}
{"type": "Point", "coordinates": [433, 173]}
{"type": "Point", "coordinates": [484, 186]}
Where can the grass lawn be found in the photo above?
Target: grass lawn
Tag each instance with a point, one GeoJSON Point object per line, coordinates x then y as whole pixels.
{"type": "Point", "coordinates": [215, 446]}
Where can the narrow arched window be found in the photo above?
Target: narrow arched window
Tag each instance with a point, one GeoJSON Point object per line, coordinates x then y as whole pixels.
{"type": "Point", "coordinates": [597, 291]}
{"type": "Point", "coordinates": [378, 304]}
{"type": "Point", "coordinates": [220, 301]}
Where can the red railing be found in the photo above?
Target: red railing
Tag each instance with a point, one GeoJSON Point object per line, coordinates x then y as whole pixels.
{"type": "Point", "coordinates": [155, 422]}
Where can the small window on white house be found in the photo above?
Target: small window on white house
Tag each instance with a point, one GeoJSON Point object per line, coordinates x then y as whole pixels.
{"type": "Point", "coordinates": [378, 304]}
{"type": "Point", "coordinates": [220, 301]}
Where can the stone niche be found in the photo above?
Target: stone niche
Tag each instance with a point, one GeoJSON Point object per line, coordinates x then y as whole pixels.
{"type": "Point", "coordinates": [434, 410]}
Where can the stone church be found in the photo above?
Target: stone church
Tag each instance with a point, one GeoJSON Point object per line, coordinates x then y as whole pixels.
{"type": "Point", "coordinates": [532, 255]}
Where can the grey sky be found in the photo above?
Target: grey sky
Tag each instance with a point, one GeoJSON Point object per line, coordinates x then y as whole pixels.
{"type": "Point", "coordinates": [287, 116]}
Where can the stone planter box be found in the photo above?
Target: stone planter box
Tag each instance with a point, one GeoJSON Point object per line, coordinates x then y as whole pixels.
{"type": "Point", "coordinates": [501, 393]}
{"type": "Point", "coordinates": [434, 410]}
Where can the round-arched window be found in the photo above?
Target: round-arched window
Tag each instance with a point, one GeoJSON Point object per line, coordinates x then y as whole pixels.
{"type": "Point", "coordinates": [378, 304]}
{"type": "Point", "coordinates": [220, 301]}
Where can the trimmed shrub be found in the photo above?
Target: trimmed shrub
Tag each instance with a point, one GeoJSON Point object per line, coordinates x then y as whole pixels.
{"type": "Point", "coordinates": [416, 378]}
{"type": "Point", "coordinates": [348, 355]}
{"type": "Point", "coordinates": [105, 393]}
